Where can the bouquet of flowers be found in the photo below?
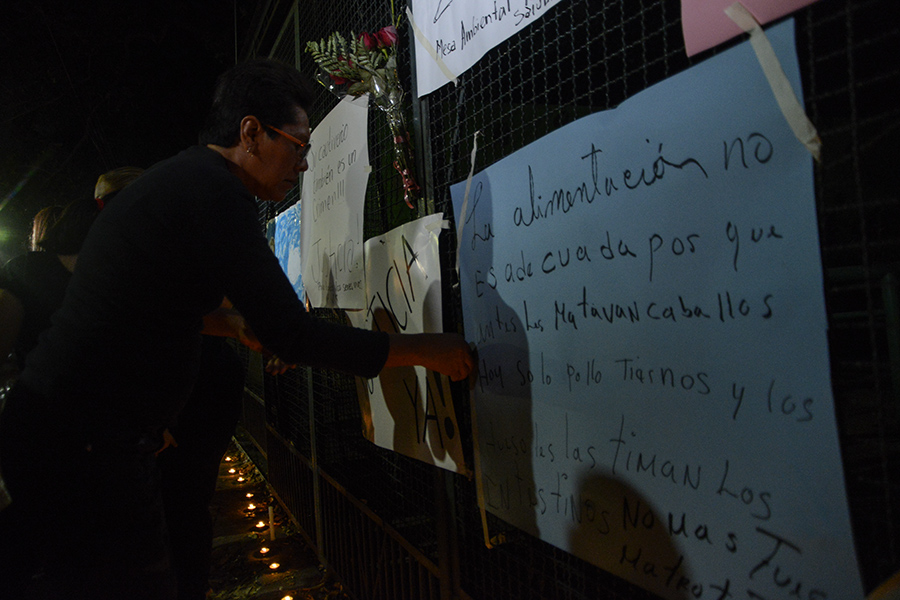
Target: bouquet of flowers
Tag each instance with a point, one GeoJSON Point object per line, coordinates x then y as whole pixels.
{"type": "Point", "coordinates": [367, 63]}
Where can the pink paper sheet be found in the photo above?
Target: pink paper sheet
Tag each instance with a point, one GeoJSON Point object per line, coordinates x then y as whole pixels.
{"type": "Point", "coordinates": [705, 23]}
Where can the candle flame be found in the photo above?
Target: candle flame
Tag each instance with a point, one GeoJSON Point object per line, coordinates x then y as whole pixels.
{"type": "Point", "coordinates": [274, 566]}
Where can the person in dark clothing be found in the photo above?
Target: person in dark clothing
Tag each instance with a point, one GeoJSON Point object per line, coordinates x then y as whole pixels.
{"type": "Point", "coordinates": [78, 434]}
{"type": "Point", "coordinates": [199, 435]}
{"type": "Point", "coordinates": [37, 280]}
{"type": "Point", "coordinates": [32, 288]}
{"type": "Point", "coordinates": [33, 283]}
{"type": "Point", "coordinates": [189, 470]}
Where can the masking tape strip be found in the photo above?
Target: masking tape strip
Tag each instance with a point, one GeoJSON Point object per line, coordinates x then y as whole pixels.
{"type": "Point", "coordinates": [420, 36]}
{"type": "Point", "coordinates": [465, 205]}
{"type": "Point", "coordinates": [441, 224]}
{"type": "Point", "coordinates": [479, 482]}
{"type": "Point", "coordinates": [787, 100]}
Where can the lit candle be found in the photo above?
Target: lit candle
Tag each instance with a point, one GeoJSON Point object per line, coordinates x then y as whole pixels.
{"type": "Point", "coordinates": [288, 598]}
{"type": "Point", "coordinates": [274, 566]}
{"type": "Point", "coordinates": [261, 525]}
{"type": "Point", "coordinates": [251, 506]}
{"type": "Point", "coordinates": [263, 550]}
{"type": "Point", "coordinates": [240, 478]}
{"type": "Point", "coordinates": [228, 459]}
{"type": "Point", "coordinates": [249, 494]}
{"type": "Point", "coordinates": [232, 470]}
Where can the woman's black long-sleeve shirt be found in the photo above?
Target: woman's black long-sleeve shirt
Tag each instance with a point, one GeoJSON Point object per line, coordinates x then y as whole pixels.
{"type": "Point", "coordinates": [122, 351]}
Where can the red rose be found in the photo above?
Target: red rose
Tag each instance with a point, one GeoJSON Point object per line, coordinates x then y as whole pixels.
{"type": "Point", "coordinates": [368, 40]}
{"type": "Point", "coordinates": [387, 37]}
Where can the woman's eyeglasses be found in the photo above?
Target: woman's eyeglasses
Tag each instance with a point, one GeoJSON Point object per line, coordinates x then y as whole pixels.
{"type": "Point", "coordinates": [301, 148]}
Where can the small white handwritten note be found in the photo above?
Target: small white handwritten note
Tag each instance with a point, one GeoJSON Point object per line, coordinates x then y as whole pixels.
{"type": "Point", "coordinates": [459, 32]}
{"type": "Point", "coordinates": [332, 199]}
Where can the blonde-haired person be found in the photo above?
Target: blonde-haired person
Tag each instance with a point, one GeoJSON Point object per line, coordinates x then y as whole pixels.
{"type": "Point", "coordinates": [32, 285]}
{"type": "Point", "coordinates": [44, 218]}
{"type": "Point", "coordinates": [32, 288]}
{"type": "Point", "coordinates": [113, 181]}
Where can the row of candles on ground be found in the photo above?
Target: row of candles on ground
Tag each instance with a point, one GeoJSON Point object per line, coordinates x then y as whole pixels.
{"type": "Point", "coordinates": [251, 508]}
{"type": "Point", "coordinates": [233, 470]}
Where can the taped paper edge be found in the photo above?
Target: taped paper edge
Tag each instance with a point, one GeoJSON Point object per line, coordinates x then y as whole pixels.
{"type": "Point", "coordinates": [465, 204]}
{"type": "Point", "coordinates": [787, 100]}
{"type": "Point", "coordinates": [426, 44]}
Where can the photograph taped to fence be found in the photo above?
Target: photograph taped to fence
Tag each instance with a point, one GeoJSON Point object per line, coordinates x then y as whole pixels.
{"type": "Point", "coordinates": [286, 245]}
{"type": "Point", "coordinates": [645, 289]}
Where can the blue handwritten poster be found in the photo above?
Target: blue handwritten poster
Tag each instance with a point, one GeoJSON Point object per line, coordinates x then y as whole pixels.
{"type": "Point", "coordinates": [645, 289]}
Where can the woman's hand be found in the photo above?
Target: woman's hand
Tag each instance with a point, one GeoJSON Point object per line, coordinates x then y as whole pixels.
{"type": "Point", "coordinates": [167, 440]}
{"type": "Point", "coordinates": [276, 366]}
{"type": "Point", "coordinates": [446, 353]}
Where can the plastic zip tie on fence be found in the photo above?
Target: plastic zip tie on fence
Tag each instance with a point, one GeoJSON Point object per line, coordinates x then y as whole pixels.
{"type": "Point", "coordinates": [420, 36]}
{"type": "Point", "coordinates": [787, 100]}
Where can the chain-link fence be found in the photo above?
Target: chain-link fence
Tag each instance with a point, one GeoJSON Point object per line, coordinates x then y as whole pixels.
{"type": "Point", "coordinates": [396, 528]}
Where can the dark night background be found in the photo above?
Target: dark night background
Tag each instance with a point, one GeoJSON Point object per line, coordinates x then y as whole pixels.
{"type": "Point", "coordinates": [89, 86]}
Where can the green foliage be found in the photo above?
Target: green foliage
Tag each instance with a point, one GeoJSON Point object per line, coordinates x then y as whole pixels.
{"type": "Point", "coordinates": [350, 60]}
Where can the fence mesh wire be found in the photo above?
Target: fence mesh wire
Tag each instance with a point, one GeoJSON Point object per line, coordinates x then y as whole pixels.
{"type": "Point", "coordinates": [585, 56]}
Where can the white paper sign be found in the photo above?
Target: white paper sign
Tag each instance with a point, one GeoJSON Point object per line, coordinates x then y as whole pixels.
{"type": "Point", "coordinates": [459, 32]}
{"type": "Point", "coordinates": [332, 199]}
{"type": "Point", "coordinates": [408, 410]}
{"type": "Point", "coordinates": [645, 289]}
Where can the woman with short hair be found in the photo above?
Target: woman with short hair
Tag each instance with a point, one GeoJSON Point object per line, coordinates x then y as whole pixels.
{"type": "Point", "coordinates": [77, 436]}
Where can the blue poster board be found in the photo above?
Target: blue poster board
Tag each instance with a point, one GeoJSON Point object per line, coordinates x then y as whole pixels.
{"type": "Point", "coordinates": [645, 289]}
{"type": "Point", "coordinates": [287, 246]}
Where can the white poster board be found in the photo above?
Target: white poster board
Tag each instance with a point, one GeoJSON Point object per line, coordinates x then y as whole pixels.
{"type": "Point", "coordinates": [408, 410]}
{"type": "Point", "coordinates": [459, 32]}
{"type": "Point", "coordinates": [645, 289]}
{"type": "Point", "coordinates": [332, 199]}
